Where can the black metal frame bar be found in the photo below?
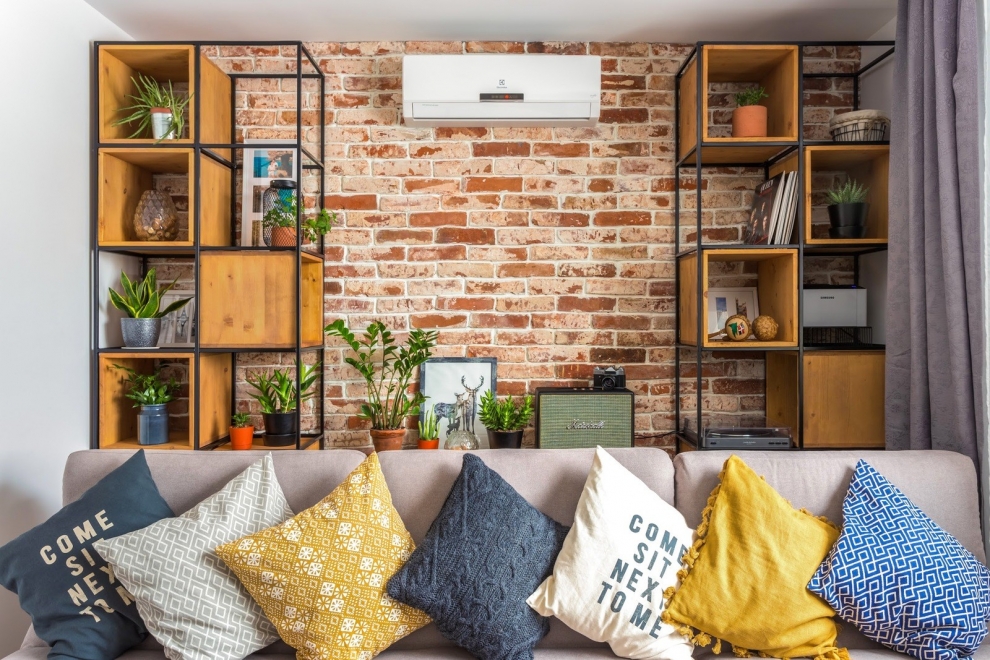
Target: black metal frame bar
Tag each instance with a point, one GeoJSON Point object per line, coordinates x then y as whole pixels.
{"type": "Point", "coordinates": [694, 159]}
{"type": "Point", "coordinates": [306, 161]}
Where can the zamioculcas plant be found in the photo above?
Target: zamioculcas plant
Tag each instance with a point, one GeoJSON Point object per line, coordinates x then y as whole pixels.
{"type": "Point", "coordinates": [388, 370]}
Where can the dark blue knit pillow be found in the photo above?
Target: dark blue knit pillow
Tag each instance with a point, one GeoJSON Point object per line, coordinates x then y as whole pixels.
{"type": "Point", "coordinates": [77, 604]}
{"type": "Point", "coordinates": [483, 556]}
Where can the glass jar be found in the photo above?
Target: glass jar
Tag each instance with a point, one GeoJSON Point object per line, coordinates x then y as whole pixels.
{"type": "Point", "coordinates": [278, 206]}
{"type": "Point", "coordinates": [155, 218]}
{"type": "Point", "coordinates": [462, 439]}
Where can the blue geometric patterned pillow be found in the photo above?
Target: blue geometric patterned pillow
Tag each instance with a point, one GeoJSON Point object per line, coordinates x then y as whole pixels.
{"type": "Point", "coordinates": [900, 578]}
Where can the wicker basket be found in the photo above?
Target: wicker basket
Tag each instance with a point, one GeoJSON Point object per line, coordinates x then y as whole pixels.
{"type": "Point", "coordinates": [859, 126]}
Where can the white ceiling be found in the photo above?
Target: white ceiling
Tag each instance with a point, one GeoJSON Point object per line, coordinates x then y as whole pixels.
{"type": "Point", "coordinates": [510, 20]}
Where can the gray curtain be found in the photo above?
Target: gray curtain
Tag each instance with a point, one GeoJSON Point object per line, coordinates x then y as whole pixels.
{"type": "Point", "coordinates": [935, 333]}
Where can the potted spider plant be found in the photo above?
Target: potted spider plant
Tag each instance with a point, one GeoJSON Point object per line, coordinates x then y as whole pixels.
{"type": "Point", "coordinates": [141, 301]}
{"type": "Point", "coordinates": [276, 393]}
{"type": "Point", "coordinates": [156, 107]}
{"type": "Point", "coordinates": [749, 119]}
{"type": "Point", "coordinates": [848, 210]}
{"type": "Point", "coordinates": [151, 394]}
{"type": "Point", "coordinates": [280, 223]}
{"type": "Point", "coordinates": [505, 420]}
{"type": "Point", "coordinates": [388, 370]}
{"type": "Point", "coordinates": [429, 431]}
{"type": "Point", "coordinates": [241, 431]}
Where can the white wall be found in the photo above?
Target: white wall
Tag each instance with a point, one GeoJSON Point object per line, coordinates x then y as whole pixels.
{"type": "Point", "coordinates": [45, 54]}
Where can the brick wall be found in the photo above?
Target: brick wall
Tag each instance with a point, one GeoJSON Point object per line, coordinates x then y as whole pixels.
{"type": "Point", "coordinates": [550, 249]}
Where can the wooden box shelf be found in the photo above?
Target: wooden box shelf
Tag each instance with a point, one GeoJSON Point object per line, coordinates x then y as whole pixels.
{"type": "Point", "coordinates": [119, 63]}
{"type": "Point", "coordinates": [125, 173]}
{"type": "Point", "coordinates": [248, 300]}
{"type": "Point", "coordinates": [777, 291]}
{"type": "Point", "coordinates": [867, 164]}
{"type": "Point", "coordinates": [774, 67]}
{"type": "Point", "coordinates": [118, 417]}
{"type": "Point", "coordinates": [843, 397]}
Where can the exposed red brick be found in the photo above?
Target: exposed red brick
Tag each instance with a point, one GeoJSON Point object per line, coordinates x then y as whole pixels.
{"type": "Point", "coordinates": [622, 218]}
{"type": "Point", "coordinates": [438, 253]}
{"type": "Point", "coordinates": [623, 82]}
{"type": "Point", "coordinates": [498, 149]}
{"type": "Point", "coordinates": [438, 320]}
{"type": "Point", "coordinates": [351, 202]}
{"type": "Point", "coordinates": [438, 219]}
{"type": "Point", "coordinates": [557, 47]}
{"type": "Point", "coordinates": [544, 219]}
{"type": "Point", "coordinates": [624, 116]}
{"type": "Point", "coordinates": [465, 235]}
{"type": "Point", "coordinates": [495, 47]}
{"type": "Point", "coordinates": [526, 270]}
{"type": "Point", "coordinates": [562, 149]}
{"type": "Point", "coordinates": [460, 133]}
{"type": "Point", "coordinates": [576, 304]}
{"type": "Point", "coordinates": [493, 184]}
{"type": "Point", "coordinates": [472, 304]}
{"type": "Point", "coordinates": [618, 356]}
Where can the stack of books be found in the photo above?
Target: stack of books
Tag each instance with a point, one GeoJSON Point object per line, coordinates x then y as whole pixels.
{"type": "Point", "coordinates": [771, 221]}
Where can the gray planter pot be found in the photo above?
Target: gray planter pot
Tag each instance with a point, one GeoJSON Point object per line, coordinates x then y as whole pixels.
{"type": "Point", "coordinates": [140, 333]}
{"type": "Point", "coordinates": [153, 425]}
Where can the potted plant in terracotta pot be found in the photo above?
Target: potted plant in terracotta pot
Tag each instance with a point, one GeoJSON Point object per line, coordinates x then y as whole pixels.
{"type": "Point", "coordinates": [156, 108]}
{"type": "Point", "coordinates": [429, 431]}
{"type": "Point", "coordinates": [847, 210]}
{"type": "Point", "coordinates": [241, 431]}
{"type": "Point", "coordinates": [151, 394]}
{"type": "Point", "coordinates": [388, 370]}
{"type": "Point", "coordinates": [276, 393]}
{"type": "Point", "coordinates": [280, 222]}
{"type": "Point", "coordinates": [749, 119]}
{"type": "Point", "coordinates": [141, 301]}
{"type": "Point", "coordinates": [505, 420]}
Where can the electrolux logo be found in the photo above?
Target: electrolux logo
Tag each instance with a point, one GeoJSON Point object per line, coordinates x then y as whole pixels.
{"type": "Point", "coordinates": [578, 425]}
{"type": "Point", "coordinates": [501, 83]}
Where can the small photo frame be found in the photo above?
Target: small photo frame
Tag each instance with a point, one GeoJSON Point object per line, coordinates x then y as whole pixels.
{"type": "Point", "coordinates": [178, 327]}
{"type": "Point", "coordinates": [453, 388]}
{"type": "Point", "coordinates": [726, 302]}
{"type": "Point", "coordinates": [261, 165]}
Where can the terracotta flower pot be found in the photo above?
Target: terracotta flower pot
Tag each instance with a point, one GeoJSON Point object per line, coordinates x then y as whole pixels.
{"type": "Point", "coordinates": [283, 237]}
{"type": "Point", "coordinates": [241, 437]}
{"type": "Point", "coordinates": [387, 439]}
{"type": "Point", "coordinates": [429, 444]}
{"type": "Point", "coordinates": [749, 121]}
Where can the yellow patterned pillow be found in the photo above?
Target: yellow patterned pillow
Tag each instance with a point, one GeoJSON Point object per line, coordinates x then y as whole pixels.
{"type": "Point", "coordinates": [745, 580]}
{"type": "Point", "coordinates": [320, 577]}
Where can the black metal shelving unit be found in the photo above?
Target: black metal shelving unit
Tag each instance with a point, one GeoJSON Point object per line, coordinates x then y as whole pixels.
{"type": "Point", "coordinates": [306, 160]}
{"type": "Point", "coordinates": [694, 159]}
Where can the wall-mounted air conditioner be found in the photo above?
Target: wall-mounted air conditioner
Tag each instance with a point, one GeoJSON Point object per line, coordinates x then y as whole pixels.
{"type": "Point", "coordinates": [501, 90]}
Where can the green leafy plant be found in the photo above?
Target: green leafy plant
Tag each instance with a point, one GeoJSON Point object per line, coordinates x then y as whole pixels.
{"type": "Point", "coordinates": [151, 94]}
{"type": "Point", "coordinates": [148, 389]}
{"type": "Point", "coordinates": [388, 370]}
{"type": "Point", "coordinates": [276, 392]}
{"type": "Point", "coordinates": [751, 96]}
{"type": "Point", "coordinates": [851, 192]}
{"type": "Point", "coordinates": [429, 427]}
{"type": "Point", "coordinates": [505, 415]}
{"type": "Point", "coordinates": [284, 215]}
{"type": "Point", "coordinates": [240, 420]}
{"type": "Point", "coordinates": [142, 300]}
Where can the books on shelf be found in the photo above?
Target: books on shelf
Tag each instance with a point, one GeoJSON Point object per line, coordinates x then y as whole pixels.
{"type": "Point", "coordinates": [771, 219]}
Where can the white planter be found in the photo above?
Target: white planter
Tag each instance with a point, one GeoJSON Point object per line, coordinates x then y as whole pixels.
{"type": "Point", "coordinates": [161, 124]}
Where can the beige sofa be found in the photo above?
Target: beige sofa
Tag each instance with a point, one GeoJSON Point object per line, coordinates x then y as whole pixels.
{"type": "Point", "coordinates": [941, 483]}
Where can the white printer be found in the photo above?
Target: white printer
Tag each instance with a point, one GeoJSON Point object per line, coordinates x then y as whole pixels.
{"type": "Point", "coordinates": [828, 306]}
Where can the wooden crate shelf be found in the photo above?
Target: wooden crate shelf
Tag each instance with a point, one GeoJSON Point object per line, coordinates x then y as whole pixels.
{"type": "Point", "coordinates": [868, 164]}
{"type": "Point", "coordinates": [777, 291]}
{"type": "Point", "coordinates": [249, 300]}
{"type": "Point", "coordinates": [119, 63]}
{"type": "Point", "coordinates": [125, 173]}
{"type": "Point", "coordinates": [118, 417]}
{"type": "Point", "coordinates": [774, 67]}
{"type": "Point", "coordinates": [843, 401]}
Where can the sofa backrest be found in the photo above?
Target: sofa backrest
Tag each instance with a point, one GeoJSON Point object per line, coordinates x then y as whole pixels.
{"type": "Point", "coordinates": [941, 483]}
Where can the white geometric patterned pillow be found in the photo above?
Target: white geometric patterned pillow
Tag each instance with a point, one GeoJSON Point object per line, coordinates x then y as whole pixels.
{"type": "Point", "coordinates": [191, 602]}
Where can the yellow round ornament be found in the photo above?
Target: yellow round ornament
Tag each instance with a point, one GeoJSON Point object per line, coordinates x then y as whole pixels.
{"type": "Point", "coordinates": [765, 328]}
{"type": "Point", "coordinates": [737, 327]}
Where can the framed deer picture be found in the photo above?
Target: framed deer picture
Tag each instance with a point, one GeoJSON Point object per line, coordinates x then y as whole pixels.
{"type": "Point", "coordinates": [453, 389]}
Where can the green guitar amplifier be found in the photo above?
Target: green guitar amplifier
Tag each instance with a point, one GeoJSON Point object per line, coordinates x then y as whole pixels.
{"type": "Point", "coordinates": [583, 417]}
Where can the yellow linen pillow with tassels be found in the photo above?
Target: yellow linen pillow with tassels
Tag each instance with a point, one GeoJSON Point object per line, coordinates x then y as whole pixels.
{"type": "Point", "coordinates": [744, 581]}
{"type": "Point", "coordinates": [320, 576]}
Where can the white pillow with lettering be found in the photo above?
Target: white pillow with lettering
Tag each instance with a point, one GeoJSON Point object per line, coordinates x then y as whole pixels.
{"type": "Point", "coordinates": [622, 552]}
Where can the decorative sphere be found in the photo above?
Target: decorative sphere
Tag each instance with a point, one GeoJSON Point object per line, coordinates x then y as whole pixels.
{"type": "Point", "coordinates": [737, 327]}
{"type": "Point", "coordinates": [462, 439]}
{"type": "Point", "coordinates": [765, 328]}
